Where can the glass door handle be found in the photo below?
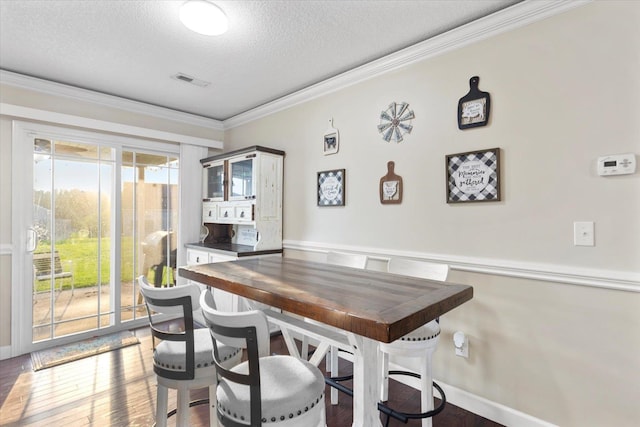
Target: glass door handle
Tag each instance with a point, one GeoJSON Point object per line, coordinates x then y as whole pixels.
{"type": "Point", "coordinates": [32, 239]}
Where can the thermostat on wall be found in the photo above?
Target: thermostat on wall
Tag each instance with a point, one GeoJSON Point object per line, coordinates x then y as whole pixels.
{"type": "Point", "coordinates": [618, 164]}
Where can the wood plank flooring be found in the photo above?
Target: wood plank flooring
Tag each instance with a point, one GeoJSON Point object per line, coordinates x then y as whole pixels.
{"type": "Point", "coordinates": [119, 389]}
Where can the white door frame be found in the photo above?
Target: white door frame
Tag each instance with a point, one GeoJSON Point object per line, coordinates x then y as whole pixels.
{"type": "Point", "coordinates": [21, 189]}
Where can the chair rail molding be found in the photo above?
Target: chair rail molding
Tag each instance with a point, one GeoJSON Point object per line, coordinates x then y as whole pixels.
{"type": "Point", "coordinates": [608, 279]}
{"type": "Point", "coordinates": [6, 249]}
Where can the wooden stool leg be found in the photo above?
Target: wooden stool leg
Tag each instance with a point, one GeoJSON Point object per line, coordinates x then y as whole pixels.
{"type": "Point", "coordinates": [161, 406]}
{"type": "Point", "coordinates": [213, 416]}
{"type": "Point", "coordinates": [426, 386]}
{"type": "Point", "coordinates": [182, 416]}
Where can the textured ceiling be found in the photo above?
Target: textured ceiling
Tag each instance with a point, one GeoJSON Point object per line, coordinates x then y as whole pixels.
{"type": "Point", "coordinates": [131, 48]}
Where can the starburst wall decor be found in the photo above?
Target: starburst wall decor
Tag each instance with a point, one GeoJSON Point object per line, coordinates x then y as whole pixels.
{"type": "Point", "coordinates": [395, 121]}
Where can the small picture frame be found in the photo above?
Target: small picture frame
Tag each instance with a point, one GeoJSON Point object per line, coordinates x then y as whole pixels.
{"type": "Point", "coordinates": [473, 176]}
{"type": "Point", "coordinates": [474, 107]}
{"type": "Point", "coordinates": [391, 186]}
{"type": "Point", "coordinates": [331, 187]}
{"type": "Point", "coordinates": [330, 140]}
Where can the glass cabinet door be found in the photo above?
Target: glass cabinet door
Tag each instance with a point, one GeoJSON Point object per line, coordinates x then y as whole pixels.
{"type": "Point", "coordinates": [241, 179]}
{"type": "Point", "coordinates": [214, 185]}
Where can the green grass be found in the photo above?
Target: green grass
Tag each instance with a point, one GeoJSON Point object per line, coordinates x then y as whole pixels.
{"type": "Point", "coordinates": [81, 255]}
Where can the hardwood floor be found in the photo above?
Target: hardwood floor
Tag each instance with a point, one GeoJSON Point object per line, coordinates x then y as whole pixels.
{"type": "Point", "coordinates": [118, 389]}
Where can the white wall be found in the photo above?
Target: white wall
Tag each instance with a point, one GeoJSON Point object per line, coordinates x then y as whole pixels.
{"type": "Point", "coordinates": [564, 91]}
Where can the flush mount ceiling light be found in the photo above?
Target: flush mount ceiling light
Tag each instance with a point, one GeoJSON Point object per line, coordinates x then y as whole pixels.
{"type": "Point", "coordinates": [204, 17]}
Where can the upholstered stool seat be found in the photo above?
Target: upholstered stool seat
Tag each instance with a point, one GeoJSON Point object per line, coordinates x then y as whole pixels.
{"type": "Point", "coordinates": [264, 390]}
{"type": "Point", "coordinates": [290, 388]}
{"type": "Point", "coordinates": [170, 354]}
{"type": "Point", "coordinates": [423, 337]}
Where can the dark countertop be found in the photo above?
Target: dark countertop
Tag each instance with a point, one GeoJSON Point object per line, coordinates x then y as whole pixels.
{"type": "Point", "coordinates": [233, 249]}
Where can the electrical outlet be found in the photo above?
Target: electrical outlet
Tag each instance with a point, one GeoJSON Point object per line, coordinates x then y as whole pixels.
{"type": "Point", "coordinates": [461, 343]}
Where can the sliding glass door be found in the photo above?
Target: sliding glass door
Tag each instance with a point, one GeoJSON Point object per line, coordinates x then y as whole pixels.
{"type": "Point", "coordinates": [72, 219]}
{"type": "Point", "coordinates": [98, 214]}
{"type": "Point", "coordinates": [149, 212]}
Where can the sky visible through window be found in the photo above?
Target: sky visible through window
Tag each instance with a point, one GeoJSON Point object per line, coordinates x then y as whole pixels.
{"type": "Point", "coordinates": [83, 175]}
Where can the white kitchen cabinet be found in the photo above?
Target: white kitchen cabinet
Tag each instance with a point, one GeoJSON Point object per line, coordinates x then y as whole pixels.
{"type": "Point", "coordinates": [195, 257]}
{"type": "Point", "coordinates": [242, 197]}
{"type": "Point", "coordinates": [224, 300]}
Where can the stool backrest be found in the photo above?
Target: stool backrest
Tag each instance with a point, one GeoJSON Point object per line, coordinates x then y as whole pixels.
{"type": "Point", "coordinates": [415, 268]}
{"type": "Point", "coordinates": [347, 260]}
{"type": "Point", "coordinates": [191, 290]}
{"type": "Point", "coordinates": [177, 300]}
{"type": "Point", "coordinates": [248, 330]}
{"type": "Point", "coordinates": [241, 319]}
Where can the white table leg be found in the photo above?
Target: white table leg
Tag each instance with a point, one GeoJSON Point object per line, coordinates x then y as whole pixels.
{"type": "Point", "coordinates": [366, 382]}
{"type": "Point", "coordinates": [332, 360]}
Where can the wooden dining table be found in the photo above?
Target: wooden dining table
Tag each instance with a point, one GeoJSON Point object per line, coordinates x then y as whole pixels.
{"type": "Point", "coordinates": [369, 306]}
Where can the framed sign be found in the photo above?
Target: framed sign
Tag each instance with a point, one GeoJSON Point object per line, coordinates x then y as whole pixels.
{"type": "Point", "coordinates": [331, 185]}
{"type": "Point", "coordinates": [474, 107]}
{"type": "Point", "coordinates": [473, 176]}
{"type": "Point", "coordinates": [331, 140]}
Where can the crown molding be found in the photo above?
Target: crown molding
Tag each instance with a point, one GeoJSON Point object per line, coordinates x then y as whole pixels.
{"type": "Point", "coordinates": [22, 81]}
{"type": "Point", "coordinates": [518, 15]}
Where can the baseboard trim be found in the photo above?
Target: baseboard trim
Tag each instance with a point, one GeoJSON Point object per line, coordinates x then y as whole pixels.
{"type": "Point", "coordinates": [488, 409]}
{"type": "Point", "coordinates": [608, 279]}
{"type": "Point", "coordinates": [478, 405]}
{"type": "Point", "coordinates": [473, 403]}
{"type": "Point", "coordinates": [5, 352]}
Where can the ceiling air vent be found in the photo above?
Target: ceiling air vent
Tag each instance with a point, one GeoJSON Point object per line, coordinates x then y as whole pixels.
{"type": "Point", "coordinates": [188, 79]}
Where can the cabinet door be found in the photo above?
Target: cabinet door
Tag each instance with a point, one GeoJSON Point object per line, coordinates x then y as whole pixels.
{"type": "Point", "coordinates": [269, 196]}
{"type": "Point", "coordinates": [241, 175]}
{"type": "Point", "coordinates": [214, 181]}
{"type": "Point", "coordinates": [225, 301]}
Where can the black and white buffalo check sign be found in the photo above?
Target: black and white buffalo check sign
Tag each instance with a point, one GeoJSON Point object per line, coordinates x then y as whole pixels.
{"type": "Point", "coordinates": [473, 176]}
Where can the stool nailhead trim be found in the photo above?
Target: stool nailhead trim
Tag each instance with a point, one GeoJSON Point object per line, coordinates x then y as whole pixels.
{"type": "Point", "coordinates": [199, 365]}
{"type": "Point", "coordinates": [420, 338]}
{"type": "Point", "coordinates": [275, 418]}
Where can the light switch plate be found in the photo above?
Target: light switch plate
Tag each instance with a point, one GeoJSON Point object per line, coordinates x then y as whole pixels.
{"type": "Point", "coordinates": [583, 233]}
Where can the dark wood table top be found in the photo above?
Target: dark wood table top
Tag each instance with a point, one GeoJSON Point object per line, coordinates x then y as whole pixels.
{"type": "Point", "coordinates": [374, 304]}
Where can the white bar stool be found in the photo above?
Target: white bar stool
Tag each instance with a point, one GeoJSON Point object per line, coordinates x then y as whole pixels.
{"type": "Point", "coordinates": [420, 343]}
{"type": "Point", "coordinates": [265, 390]}
{"type": "Point", "coordinates": [183, 359]}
